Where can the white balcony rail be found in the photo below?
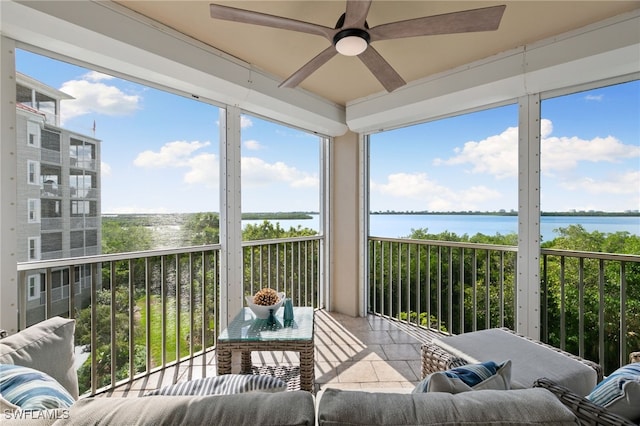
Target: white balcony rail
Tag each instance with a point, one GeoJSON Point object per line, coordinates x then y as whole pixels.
{"type": "Point", "coordinates": [459, 287]}
{"type": "Point", "coordinates": [140, 312]}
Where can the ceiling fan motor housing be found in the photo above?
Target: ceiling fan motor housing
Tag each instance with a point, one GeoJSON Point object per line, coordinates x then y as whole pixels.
{"type": "Point", "coordinates": [351, 41]}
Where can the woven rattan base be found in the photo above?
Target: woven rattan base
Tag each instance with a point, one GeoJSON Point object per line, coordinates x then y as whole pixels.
{"type": "Point", "coordinates": [304, 347]}
{"type": "Point", "coordinates": [290, 374]}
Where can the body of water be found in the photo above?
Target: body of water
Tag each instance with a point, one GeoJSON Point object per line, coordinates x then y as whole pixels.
{"type": "Point", "coordinates": [400, 225]}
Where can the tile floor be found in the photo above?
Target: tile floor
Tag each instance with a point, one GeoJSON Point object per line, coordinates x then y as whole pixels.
{"type": "Point", "coordinates": [351, 353]}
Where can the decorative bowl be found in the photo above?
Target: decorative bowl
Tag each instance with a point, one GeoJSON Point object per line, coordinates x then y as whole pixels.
{"type": "Point", "coordinates": [262, 311]}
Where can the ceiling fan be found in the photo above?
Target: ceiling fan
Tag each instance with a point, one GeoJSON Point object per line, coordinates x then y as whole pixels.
{"type": "Point", "coordinates": [352, 35]}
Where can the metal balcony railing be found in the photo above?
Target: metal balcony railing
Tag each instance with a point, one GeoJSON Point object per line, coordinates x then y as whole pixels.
{"type": "Point", "coordinates": [290, 265]}
{"type": "Point", "coordinates": [590, 301]}
{"type": "Point", "coordinates": [50, 156]}
{"type": "Point", "coordinates": [137, 313]}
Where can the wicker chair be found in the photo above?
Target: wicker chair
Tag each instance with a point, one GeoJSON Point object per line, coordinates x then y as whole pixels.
{"type": "Point", "coordinates": [586, 411]}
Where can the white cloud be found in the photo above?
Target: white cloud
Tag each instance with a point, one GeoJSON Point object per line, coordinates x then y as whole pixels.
{"type": "Point", "coordinates": [93, 96]}
{"type": "Point", "coordinates": [594, 97]}
{"type": "Point", "coordinates": [97, 76]}
{"type": "Point", "coordinates": [498, 155]}
{"type": "Point", "coordinates": [245, 122]}
{"type": "Point", "coordinates": [626, 183]}
{"type": "Point", "coordinates": [252, 145]}
{"type": "Point", "coordinates": [564, 153]}
{"type": "Point", "coordinates": [202, 167]}
{"type": "Point", "coordinates": [428, 194]}
{"type": "Point", "coordinates": [257, 172]}
{"type": "Point", "coordinates": [105, 169]}
{"type": "Point", "coordinates": [172, 154]}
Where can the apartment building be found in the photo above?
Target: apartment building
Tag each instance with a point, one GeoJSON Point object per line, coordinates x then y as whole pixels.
{"type": "Point", "coordinates": [58, 198]}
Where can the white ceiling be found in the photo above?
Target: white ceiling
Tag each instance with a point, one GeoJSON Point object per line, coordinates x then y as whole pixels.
{"type": "Point", "coordinates": [343, 79]}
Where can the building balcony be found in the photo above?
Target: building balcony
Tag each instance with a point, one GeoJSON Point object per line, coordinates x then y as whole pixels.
{"type": "Point", "coordinates": [159, 312]}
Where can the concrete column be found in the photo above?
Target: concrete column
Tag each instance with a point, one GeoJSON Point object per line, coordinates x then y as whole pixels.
{"type": "Point", "coordinates": [230, 216]}
{"type": "Point", "coordinates": [8, 190]}
{"type": "Point", "coordinates": [345, 190]}
{"type": "Point", "coordinates": [528, 279]}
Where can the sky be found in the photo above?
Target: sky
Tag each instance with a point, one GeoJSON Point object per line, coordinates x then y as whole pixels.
{"type": "Point", "coordinates": [160, 152]}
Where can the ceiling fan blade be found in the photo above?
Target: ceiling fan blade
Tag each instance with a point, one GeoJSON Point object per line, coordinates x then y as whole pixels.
{"type": "Point", "coordinates": [356, 13]}
{"type": "Point", "coordinates": [256, 18]}
{"type": "Point", "coordinates": [308, 68]}
{"type": "Point", "coordinates": [483, 19]}
{"type": "Point", "coordinates": [381, 69]}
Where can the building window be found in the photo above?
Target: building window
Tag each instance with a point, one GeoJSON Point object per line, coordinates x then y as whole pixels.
{"type": "Point", "coordinates": [34, 248]}
{"type": "Point", "coordinates": [33, 172]}
{"type": "Point", "coordinates": [82, 154]}
{"type": "Point", "coordinates": [34, 286]}
{"type": "Point", "coordinates": [34, 210]}
{"type": "Point", "coordinates": [50, 140]}
{"type": "Point", "coordinates": [79, 208]}
{"type": "Point", "coordinates": [33, 134]}
{"type": "Point", "coordinates": [51, 242]}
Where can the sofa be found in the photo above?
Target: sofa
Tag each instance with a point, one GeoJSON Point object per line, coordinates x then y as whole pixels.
{"type": "Point", "coordinates": [48, 348]}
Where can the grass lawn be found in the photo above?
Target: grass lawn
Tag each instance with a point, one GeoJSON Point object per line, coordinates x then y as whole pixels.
{"type": "Point", "coordinates": [156, 329]}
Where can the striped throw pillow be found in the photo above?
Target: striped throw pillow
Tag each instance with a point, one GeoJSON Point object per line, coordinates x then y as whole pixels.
{"type": "Point", "coordinates": [620, 392]}
{"type": "Point", "coordinates": [486, 375]}
{"type": "Point", "coordinates": [227, 384]}
{"type": "Point", "coordinates": [31, 389]}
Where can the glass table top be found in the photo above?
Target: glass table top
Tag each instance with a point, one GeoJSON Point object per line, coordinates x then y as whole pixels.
{"type": "Point", "coordinates": [246, 327]}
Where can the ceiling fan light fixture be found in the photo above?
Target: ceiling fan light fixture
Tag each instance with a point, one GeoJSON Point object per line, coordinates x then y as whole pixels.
{"type": "Point", "coordinates": [351, 42]}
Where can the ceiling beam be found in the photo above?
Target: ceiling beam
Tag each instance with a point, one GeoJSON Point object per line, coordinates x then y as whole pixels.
{"type": "Point", "coordinates": [112, 37]}
{"type": "Point", "coordinates": [607, 49]}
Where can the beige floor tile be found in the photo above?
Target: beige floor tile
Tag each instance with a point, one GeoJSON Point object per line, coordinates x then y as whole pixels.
{"type": "Point", "coordinates": [393, 371]}
{"type": "Point", "coordinates": [379, 323]}
{"type": "Point", "coordinates": [374, 337]}
{"type": "Point", "coordinates": [333, 353]}
{"type": "Point", "coordinates": [343, 385]}
{"type": "Point", "coordinates": [399, 336]}
{"type": "Point", "coordinates": [416, 367]}
{"type": "Point", "coordinates": [402, 351]}
{"type": "Point", "coordinates": [266, 358]}
{"type": "Point", "coordinates": [371, 352]}
{"type": "Point", "coordinates": [322, 338]}
{"type": "Point", "coordinates": [357, 372]}
{"type": "Point", "coordinates": [325, 372]}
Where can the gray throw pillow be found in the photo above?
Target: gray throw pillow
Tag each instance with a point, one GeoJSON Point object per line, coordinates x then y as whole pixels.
{"type": "Point", "coordinates": [47, 347]}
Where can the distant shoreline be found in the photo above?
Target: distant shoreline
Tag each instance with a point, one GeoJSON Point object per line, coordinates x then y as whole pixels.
{"type": "Point", "coordinates": [309, 215]}
{"type": "Point", "coordinates": [590, 213]}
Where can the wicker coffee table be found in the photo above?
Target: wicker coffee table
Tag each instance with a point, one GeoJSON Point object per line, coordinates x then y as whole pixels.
{"type": "Point", "coordinates": [247, 334]}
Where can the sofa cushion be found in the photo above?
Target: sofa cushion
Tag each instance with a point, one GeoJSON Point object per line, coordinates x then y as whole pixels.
{"type": "Point", "coordinates": [46, 347]}
{"type": "Point", "coordinates": [486, 375]}
{"type": "Point", "coordinates": [514, 407]}
{"type": "Point", "coordinates": [530, 360]}
{"type": "Point", "coordinates": [250, 409]}
{"type": "Point", "coordinates": [31, 389]}
{"type": "Point", "coordinates": [227, 384]}
{"type": "Point", "coordinates": [620, 392]}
